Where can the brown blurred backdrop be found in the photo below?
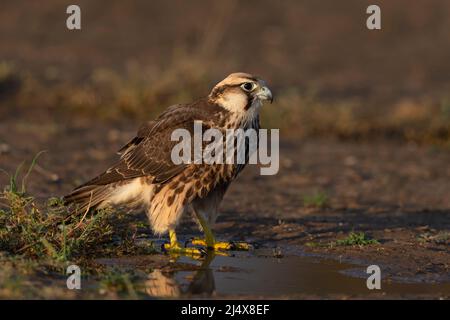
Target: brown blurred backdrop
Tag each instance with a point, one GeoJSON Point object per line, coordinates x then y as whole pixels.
{"type": "Point", "coordinates": [331, 74]}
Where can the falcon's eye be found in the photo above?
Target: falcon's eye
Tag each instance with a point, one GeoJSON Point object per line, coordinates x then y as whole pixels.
{"type": "Point", "coordinates": [248, 86]}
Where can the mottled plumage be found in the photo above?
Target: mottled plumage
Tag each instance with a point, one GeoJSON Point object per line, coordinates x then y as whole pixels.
{"type": "Point", "coordinates": [145, 174]}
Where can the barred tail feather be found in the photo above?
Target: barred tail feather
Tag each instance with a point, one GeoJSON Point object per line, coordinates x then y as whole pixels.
{"type": "Point", "coordinates": [131, 193]}
{"type": "Point", "coordinates": [88, 197]}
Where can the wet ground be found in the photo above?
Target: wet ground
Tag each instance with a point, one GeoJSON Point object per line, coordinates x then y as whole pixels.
{"type": "Point", "coordinates": [260, 274]}
{"type": "Point", "coordinates": [395, 193]}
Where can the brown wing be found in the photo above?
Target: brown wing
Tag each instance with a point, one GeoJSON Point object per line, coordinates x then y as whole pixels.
{"type": "Point", "coordinates": [146, 129]}
{"type": "Point", "coordinates": [143, 132]}
{"type": "Point", "coordinates": [149, 153]}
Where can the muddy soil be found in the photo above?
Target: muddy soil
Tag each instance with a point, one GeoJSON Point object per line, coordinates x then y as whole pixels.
{"type": "Point", "coordinates": [396, 193]}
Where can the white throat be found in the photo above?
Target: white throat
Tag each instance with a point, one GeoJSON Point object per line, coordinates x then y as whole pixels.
{"type": "Point", "coordinates": [240, 117]}
{"type": "Point", "coordinates": [233, 102]}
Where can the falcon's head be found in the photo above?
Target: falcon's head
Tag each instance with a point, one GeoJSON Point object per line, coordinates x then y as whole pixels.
{"type": "Point", "coordinates": [240, 92]}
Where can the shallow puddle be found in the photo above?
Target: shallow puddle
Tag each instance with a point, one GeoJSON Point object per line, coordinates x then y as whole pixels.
{"type": "Point", "coordinates": [259, 274]}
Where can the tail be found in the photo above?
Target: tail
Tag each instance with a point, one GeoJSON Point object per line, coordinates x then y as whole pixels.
{"type": "Point", "coordinates": [89, 197]}
{"type": "Point", "coordinates": [94, 196]}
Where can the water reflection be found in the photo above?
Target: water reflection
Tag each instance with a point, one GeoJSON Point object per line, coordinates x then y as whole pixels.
{"type": "Point", "coordinates": [258, 274]}
{"type": "Point", "coordinates": [199, 282]}
{"type": "Point", "coordinates": [159, 285]}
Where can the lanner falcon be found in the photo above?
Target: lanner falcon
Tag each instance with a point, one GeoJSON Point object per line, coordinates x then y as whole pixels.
{"type": "Point", "coordinates": [146, 175]}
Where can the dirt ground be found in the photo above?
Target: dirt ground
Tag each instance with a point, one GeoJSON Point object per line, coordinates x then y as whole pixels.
{"type": "Point", "coordinates": [363, 115]}
{"type": "Point", "coordinates": [396, 193]}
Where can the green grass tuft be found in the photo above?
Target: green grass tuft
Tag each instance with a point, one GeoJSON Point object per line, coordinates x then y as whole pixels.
{"type": "Point", "coordinates": [356, 239]}
{"type": "Point", "coordinates": [318, 200]}
{"type": "Point", "coordinates": [37, 231]}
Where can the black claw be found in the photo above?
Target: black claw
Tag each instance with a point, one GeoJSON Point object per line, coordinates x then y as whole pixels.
{"type": "Point", "coordinates": [187, 242]}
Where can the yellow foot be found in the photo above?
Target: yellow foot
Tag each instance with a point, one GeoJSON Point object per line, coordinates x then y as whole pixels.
{"type": "Point", "coordinates": [218, 246]}
{"type": "Point", "coordinates": [177, 249]}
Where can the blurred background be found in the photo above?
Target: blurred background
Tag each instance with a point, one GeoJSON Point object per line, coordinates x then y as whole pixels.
{"type": "Point", "coordinates": [331, 75]}
{"type": "Point", "coordinates": [364, 116]}
{"type": "Point", "coordinates": [364, 119]}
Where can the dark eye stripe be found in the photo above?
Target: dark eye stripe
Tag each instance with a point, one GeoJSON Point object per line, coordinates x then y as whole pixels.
{"type": "Point", "coordinates": [219, 90]}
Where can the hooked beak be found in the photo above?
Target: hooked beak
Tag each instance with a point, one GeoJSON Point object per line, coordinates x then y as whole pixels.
{"type": "Point", "coordinates": [265, 94]}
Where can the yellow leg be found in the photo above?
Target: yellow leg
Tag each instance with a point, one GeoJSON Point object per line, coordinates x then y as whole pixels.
{"type": "Point", "coordinates": [210, 241]}
{"type": "Point", "coordinates": [174, 247]}
{"type": "Point", "coordinates": [173, 237]}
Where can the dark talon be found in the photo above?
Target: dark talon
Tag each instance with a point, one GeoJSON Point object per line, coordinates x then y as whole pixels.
{"type": "Point", "coordinates": [186, 243]}
{"type": "Point", "coordinates": [163, 249]}
{"type": "Point", "coordinates": [203, 251]}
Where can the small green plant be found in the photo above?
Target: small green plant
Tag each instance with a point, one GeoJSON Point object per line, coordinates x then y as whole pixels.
{"type": "Point", "coordinates": [52, 231]}
{"type": "Point", "coordinates": [317, 200]}
{"type": "Point", "coordinates": [356, 239]}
